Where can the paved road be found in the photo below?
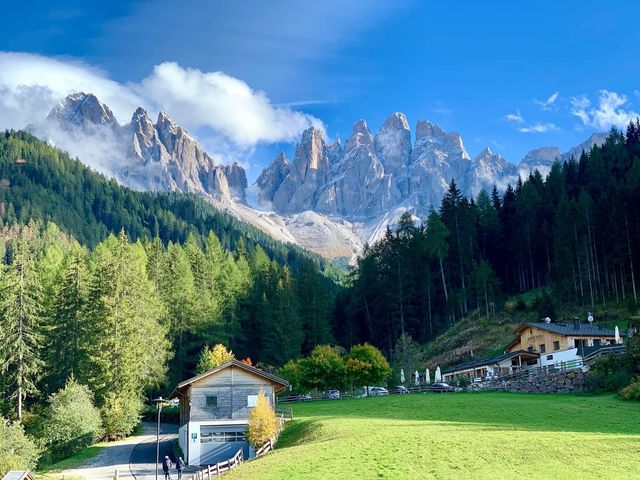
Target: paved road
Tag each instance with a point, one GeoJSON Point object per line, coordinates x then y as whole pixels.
{"type": "Point", "coordinates": [134, 457]}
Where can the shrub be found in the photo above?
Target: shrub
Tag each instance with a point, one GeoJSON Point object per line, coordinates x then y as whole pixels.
{"type": "Point", "coordinates": [464, 382]}
{"type": "Point", "coordinates": [609, 374]}
{"type": "Point", "coordinates": [631, 391]}
{"type": "Point", "coordinates": [120, 415]}
{"type": "Point", "coordinates": [521, 305]}
{"type": "Point", "coordinates": [292, 371]}
{"type": "Point", "coordinates": [17, 451]}
{"type": "Point", "coordinates": [262, 422]}
{"type": "Point", "coordinates": [72, 421]}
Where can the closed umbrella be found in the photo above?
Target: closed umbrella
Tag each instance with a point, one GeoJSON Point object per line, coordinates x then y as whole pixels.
{"type": "Point", "coordinates": [417, 375]}
{"type": "Point", "coordinates": [402, 375]}
{"type": "Point", "coordinates": [427, 376]}
{"type": "Point", "coordinates": [438, 375]}
{"type": "Point", "coordinates": [617, 334]}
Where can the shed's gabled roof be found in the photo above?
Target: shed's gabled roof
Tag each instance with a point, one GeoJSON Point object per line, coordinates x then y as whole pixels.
{"type": "Point", "coordinates": [233, 363]}
{"type": "Point", "coordinates": [483, 362]}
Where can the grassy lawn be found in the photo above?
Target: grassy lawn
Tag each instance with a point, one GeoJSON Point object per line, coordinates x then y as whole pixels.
{"type": "Point", "coordinates": [457, 436]}
{"type": "Point", "coordinates": [52, 471]}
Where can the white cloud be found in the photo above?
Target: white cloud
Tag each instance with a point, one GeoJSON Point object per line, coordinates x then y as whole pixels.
{"type": "Point", "coordinates": [538, 127]}
{"type": "Point", "coordinates": [223, 103]}
{"type": "Point", "coordinates": [30, 85]}
{"type": "Point", "coordinates": [442, 110]}
{"type": "Point", "coordinates": [608, 113]}
{"type": "Point", "coordinates": [514, 117]}
{"type": "Point", "coordinates": [549, 102]}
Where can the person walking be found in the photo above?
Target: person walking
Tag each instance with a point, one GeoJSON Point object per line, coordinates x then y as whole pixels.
{"type": "Point", "coordinates": [166, 467]}
{"type": "Point", "coordinates": [180, 467]}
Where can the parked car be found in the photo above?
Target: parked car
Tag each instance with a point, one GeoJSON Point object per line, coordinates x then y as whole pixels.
{"type": "Point", "coordinates": [303, 397]}
{"type": "Point", "coordinates": [332, 395]}
{"type": "Point", "coordinates": [402, 390]}
{"type": "Point", "coordinates": [441, 387]}
{"type": "Point", "coordinates": [377, 391]}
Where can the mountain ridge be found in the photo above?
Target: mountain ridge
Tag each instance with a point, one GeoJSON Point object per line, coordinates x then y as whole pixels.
{"type": "Point", "coordinates": [331, 198]}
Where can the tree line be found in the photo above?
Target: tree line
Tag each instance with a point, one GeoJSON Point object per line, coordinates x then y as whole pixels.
{"type": "Point", "coordinates": [41, 182]}
{"type": "Point", "coordinates": [129, 318]}
{"type": "Point", "coordinates": [575, 233]}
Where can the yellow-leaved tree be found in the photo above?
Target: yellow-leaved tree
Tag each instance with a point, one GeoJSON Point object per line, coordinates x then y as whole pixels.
{"type": "Point", "coordinates": [211, 358]}
{"type": "Point", "coordinates": [262, 422]}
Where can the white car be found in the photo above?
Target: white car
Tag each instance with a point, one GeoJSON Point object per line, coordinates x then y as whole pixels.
{"type": "Point", "coordinates": [377, 391]}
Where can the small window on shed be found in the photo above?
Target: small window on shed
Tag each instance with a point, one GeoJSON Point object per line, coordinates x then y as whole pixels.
{"type": "Point", "coordinates": [556, 345]}
{"type": "Point", "coordinates": [252, 400]}
{"type": "Point", "coordinates": [549, 357]}
{"type": "Point", "coordinates": [212, 401]}
{"type": "Point", "coordinates": [543, 348]}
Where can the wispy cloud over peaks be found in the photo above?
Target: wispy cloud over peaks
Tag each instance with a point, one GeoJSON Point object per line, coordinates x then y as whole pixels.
{"type": "Point", "coordinates": [549, 103]}
{"type": "Point", "coordinates": [30, 85]}
{"type": "Point", "coordinates": [223, 103]}
{"type": "Point", "coordinates": [514, 117]}
{"type": "Point", "coordinates": [538, 127]}
{"type": "Point", "coordinates": [442, 110]}
{"type": "Point", "coordinates": [606, 114]}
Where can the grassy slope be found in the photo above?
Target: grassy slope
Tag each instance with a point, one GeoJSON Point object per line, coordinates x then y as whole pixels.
{"type": "Point", "coordinates": [488, 337]}
{"type": "Point", "coordinates": [80, 458]}
{"type": "Point", "coordinates": [478, 334]}
{"type": "Point", "coordinates": [468, 435]}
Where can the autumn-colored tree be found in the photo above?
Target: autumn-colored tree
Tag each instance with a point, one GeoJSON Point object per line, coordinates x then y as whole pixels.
{"type": "Point", "coordinates": [211, 358]}
{"type": "Point", "coordinates": [262, 422]}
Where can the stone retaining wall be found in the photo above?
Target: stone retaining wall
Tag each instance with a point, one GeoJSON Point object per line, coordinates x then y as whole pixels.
{"type": "Point", "coordinates": [551, 382]}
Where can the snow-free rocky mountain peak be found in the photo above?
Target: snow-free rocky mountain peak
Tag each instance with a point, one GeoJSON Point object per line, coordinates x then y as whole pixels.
{"type": "Point", "coordinates": [158, 156]}
{"type": "Point", "coordinates": [331, 197]}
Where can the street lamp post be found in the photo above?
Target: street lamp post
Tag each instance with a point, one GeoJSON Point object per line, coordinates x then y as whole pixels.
{"type": "Point", "coordinates": [158, 401]}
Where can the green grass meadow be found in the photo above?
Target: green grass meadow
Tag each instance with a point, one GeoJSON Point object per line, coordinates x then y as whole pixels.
{"type": "Point", "coordinates": [457, 436]}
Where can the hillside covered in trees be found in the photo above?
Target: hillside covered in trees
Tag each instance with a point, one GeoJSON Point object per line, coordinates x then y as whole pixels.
{"type": "Point", "coordinates": [127, 318]}
{"type": "Point", "coordinates": [577, 233]}
{"type": "Point", "coordinates": [120, 291]}
{"type": "Point", "coordinates": [40, 182]}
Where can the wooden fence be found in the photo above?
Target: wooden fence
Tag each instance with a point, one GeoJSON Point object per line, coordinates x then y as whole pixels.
{"type": "Point", "coordinates": [219, 468]}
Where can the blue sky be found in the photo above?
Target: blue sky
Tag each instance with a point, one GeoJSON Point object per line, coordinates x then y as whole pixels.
{"type": "Point", "coordinates": [511, 75]}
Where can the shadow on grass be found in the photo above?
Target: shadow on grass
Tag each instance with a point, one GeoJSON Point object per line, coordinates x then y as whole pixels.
{"type": "Point", "coordinates": [535, 412]}
{"type": "Point", "coordinates": [83, 456]}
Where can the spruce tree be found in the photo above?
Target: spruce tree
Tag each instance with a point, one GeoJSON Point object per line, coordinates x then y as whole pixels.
{"type": "Point", "coordinates": [21, 328]}
{"type": "Point", "coordinates": [129, 346]}
{"type": "Point", "coordinates": [68, 348]}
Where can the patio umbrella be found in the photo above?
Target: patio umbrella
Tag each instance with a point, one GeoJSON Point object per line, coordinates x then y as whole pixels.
{"type": "Point", "coordinates": [427, 376]}
{"type": "Point", "coordinates": [617, 334]}
{"type": "Point", "coordinates": [402, 375]}
{"type": "Point", "coordinates": [417, 375]}
{"type": "Point", "coordinates": [438, 377]}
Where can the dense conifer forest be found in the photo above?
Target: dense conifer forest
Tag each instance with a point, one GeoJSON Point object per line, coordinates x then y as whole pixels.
{"type": "Point", "coordinates": [575, 232]}
{"type": "Point", "coordinates": [121, 290]}
{"type": "Point", "coordinates": [40, 182]}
